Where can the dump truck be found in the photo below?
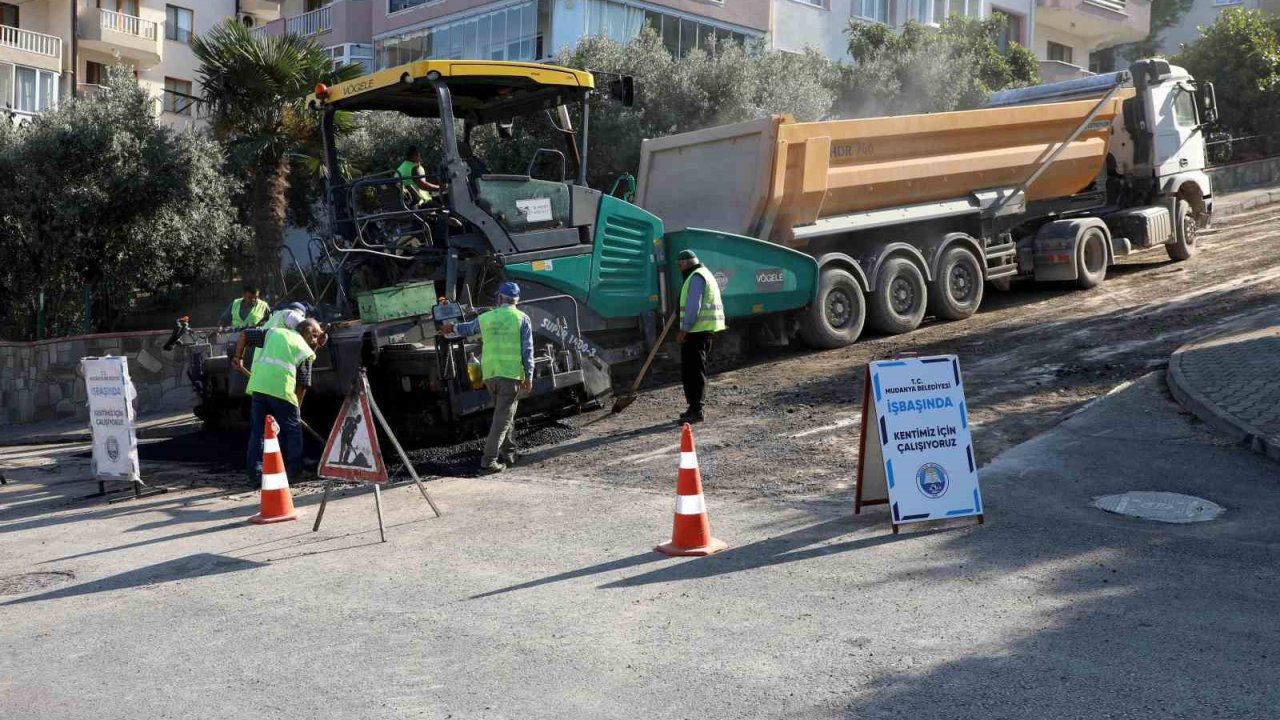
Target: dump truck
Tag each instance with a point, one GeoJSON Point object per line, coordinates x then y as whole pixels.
{"type": "Point", "coordinates": [915, 215]}
{"type": "Point", "coordinates": [598, 274]}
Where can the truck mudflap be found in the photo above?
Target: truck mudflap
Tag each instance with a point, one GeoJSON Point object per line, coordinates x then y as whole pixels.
{"type": "Point", "coordinates": [756, 277]}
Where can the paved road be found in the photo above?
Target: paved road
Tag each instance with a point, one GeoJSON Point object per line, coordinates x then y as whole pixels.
{"type": "Point", "coordinates": [784, 425]}
{"type": "Point", "coordinates": [535, 598]}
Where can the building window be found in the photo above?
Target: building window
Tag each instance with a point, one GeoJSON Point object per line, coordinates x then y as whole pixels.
{"type": "Point", "coordinates": [679, 35]}
{"type": "Point", "coordinates": [95, 73]}
{"type": "Point", "coordinates": [353, 54]}
{"type": "Point", "coordinates": [933, 12]}
{"type": "Point", "coordinates": [1012, 31]}
{"type": "Point", "coordinates": [34, 90]}
{"type": "Point", "coordinates": [6, 86]}
{"type": "Point", "coordinates": [815, 3]}
{"type": "Point", "coordinates": [179, 22]}
{"type": "Point", "coordinates": [9, 15]}
{"type": "Point", "coordinates": [877, 10]}
{"type": "Point", "coordinates": [515, 32]}
{"type": "Point", "coordinates": [124, 7]}
{"type": "Point", "coordinates": [1060, 53]}
{"type": "Point", "coordinates": [394, 6]}
{"type": "Point", "coordinates": [177, 97]}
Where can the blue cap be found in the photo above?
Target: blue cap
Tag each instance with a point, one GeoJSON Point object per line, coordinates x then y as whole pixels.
{"type": "Point", "coordinates": [297, 306]}
{"type": "Point", "coordinates": [509, 289]}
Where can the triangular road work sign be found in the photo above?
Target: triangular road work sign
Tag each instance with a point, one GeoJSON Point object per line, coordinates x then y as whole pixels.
{"type": "Point", "coordinates": [352, 450]}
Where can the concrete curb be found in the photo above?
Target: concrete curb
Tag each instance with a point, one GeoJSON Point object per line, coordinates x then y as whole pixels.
{"type": "Point", "coordinates": [1207, 410]}
{"type": "Point", "coordinates": [1264, 196]}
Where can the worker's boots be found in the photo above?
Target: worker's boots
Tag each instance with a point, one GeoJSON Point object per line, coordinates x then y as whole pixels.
{"type": "Point", "coordinates": [689, 416]}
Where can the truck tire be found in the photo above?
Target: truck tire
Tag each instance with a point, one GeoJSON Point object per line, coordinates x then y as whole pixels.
{"type": "Point", "coordinates": [1092, 260]}
{"type": "Point", "coordinates": [836, 316]}
{"type": "Point", "coordinates": [1185, 230]}
{"type": "Point", "coordinates": [957, 291]}
{"type": "Point", "coordinates": [900, 298]}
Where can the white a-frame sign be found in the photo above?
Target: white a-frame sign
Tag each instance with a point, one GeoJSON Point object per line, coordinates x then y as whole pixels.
{"type": "Point", "coordinates": [915, 452]}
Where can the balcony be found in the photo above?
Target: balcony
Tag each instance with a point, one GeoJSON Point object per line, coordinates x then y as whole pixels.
{"type": "Point", "coordinates": [339, 23]}
{"type": "Point", "coordinates": [1097, 23]}
{"type": "Point", "coordinates": [136, 39]}
{"type": "Point", "coordinates": [32, 49]}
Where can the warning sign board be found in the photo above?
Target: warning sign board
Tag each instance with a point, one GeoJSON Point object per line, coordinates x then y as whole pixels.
{"type": "Point", "coordinates": [916, 450]}
{"type": "Point", "coordinates": [352, 450]}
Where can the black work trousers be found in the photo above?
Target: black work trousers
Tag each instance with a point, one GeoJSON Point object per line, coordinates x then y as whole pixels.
{"type": "Point", "coordinates": [693, 368]}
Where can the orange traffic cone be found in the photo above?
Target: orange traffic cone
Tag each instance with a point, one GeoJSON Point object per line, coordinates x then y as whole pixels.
{"type": "Point", "coordinates": [276, 504]}
{"type": "Point", "coordinates": [691, 532]}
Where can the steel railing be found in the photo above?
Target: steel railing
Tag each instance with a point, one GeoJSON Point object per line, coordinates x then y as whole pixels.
{"type": "Point", "coordinates": [128, 24]}
{"type": "Point", "coordinates": [311, 23]}
{"type": "Point", "coordinates": [32, 42]}
{"type": "Point", "coordinates": [1222, 149]}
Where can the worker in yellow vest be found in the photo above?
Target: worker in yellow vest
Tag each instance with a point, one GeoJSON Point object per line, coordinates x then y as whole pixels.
{"type": "Point", "coordinates": [701, 317]}
{"type": "Point", "coordinates": [278, 383]}
{"type": "Point", "coordinates": [248, 310]}
{"type": "Point", "coordinates": [506, 364]}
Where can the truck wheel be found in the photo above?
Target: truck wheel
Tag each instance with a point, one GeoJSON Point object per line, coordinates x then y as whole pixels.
{"type": "Point", "coordinates": [835, 317]}
{"type": "Point", "coordinates": [900, 297]}
{"type": "Point", "coordinates": [1092, 262]}
{"type": "Point", "coordinates": [957, 292]}
{"type": "Point", "coordinates": [1185, 230]}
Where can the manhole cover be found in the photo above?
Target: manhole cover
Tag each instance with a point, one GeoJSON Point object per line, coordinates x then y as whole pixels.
{"type": "Point", "coordinates": [1160, 506]}
{"type": "Point", "coordinates": [26, 582]}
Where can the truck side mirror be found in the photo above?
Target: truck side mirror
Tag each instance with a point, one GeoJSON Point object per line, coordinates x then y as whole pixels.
{"type": "Point", "coordinates": [1208, 104]}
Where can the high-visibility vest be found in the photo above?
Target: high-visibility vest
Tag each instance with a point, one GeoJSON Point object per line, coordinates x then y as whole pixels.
{"type": "Point", "coordinates": [256, 313]}
{"type": "Point", "coordinates": [275, 321]}
{"type": "Point", "coordinates": [500, 332]}
{"type": "Point", "coordinates": [275, 369]}
{"type": "Point", "coordinates": [711, 310]}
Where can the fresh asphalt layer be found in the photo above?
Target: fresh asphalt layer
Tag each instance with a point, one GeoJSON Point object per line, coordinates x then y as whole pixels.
{"type": "Point", "coordinates": [534, 598]}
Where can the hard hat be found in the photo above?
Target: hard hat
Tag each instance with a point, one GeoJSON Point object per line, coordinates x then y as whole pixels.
{"type": "Point", "coordinates": [687, 255]}
{"type": "Point", "coordinates": [297, 307]}
{"type": "Point", "coordinates": [509, 289]}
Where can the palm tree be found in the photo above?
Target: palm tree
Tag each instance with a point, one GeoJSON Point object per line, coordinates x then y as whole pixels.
{"type": "Point", "coordinates": [255, 89]}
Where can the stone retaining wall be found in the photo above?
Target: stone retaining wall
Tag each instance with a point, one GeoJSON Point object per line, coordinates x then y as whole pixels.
{"type": "Point", "coordinates": [41, 380]}
{"type": "Point", "coordinates": [1245, 175]}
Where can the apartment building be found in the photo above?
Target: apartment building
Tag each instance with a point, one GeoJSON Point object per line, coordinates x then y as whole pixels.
{"type": "Point", "coordinates": [343, 28]}
{"type": "Point", "coordinates": [1203, 13]}
{"type": "Point", "coordinates": [821, 24]}
{"type": "Point", "coordinates": [406, 30]}
{"type": "Point", "coordinates": [1063, 34]}
{"type": "Point", "coordinates": [53, 49]}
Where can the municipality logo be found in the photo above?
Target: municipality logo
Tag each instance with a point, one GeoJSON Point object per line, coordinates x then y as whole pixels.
{"type": "Point", "coordinates": [932, 480]}
{"type": "Point", "coordinates": [113, 449]}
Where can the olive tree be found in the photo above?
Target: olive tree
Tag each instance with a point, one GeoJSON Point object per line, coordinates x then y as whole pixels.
{"type": "Point", "coordinates": [101, 202]}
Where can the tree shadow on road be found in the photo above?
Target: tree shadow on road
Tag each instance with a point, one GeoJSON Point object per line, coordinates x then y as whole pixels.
{"type": "Point", "coordinates": [186, 568]}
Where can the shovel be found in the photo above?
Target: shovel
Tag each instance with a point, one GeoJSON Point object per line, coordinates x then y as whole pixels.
{"type": "Point", "coordinates": [622, 401]}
